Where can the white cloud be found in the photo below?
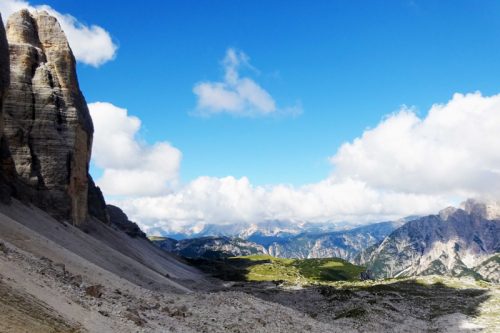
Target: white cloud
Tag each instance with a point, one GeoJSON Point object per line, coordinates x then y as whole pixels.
{"type": "Point", "coordinates": [91, 45]}
{"type": "Point", "coordinates": [451, 151]}
{"type": "Point", "coordinates": [240, 96]}
{"type": "Point", "coordinates": [229, 201]}
{"type": "Point", "coordinates": [405, 165]}
{"type": "Point", "coordinates": [130, 167]}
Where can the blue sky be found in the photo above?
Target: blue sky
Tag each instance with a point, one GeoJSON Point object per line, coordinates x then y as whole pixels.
{"type": "Point", "coordinates": [399, 101]}
{"type": "Point", "coordinates": [349, 63]}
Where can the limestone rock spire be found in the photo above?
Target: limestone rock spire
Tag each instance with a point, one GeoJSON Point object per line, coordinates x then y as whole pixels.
{"type": "Point", "coordinates": [47, 124]}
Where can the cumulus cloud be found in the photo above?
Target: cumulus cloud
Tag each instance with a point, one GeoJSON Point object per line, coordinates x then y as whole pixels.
{"type": "Point", "coordinates": [405, 165]}
{"type": "Point", "coordinates": [91, 45]}
{"type": "Point", "coordinates": [451, 151]}
{"type": "Point", "coordinates": [236, 95]}
{"type": "Point", "coordinates": [130, 166]}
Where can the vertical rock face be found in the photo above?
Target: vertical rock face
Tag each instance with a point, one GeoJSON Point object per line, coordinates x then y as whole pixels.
{"type": "Point", "coordinates": [47, 125]}
{"type": "Point", "coordinates": [4, 84]}
{"type": "Point", "coordinates": [4, 65]}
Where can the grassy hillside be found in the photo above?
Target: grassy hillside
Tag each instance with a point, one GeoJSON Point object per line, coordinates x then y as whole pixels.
{"type": "Point", "coordinates": [267, 268]}
{"type": "Point", "coordinates": [156, 238]}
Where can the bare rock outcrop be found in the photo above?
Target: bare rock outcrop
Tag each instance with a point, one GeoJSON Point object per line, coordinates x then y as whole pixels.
{"type": "Point", "coordinates": [47, 125]}
{"type": "Point", "coordinates": [451, 243]}
{"type": "Point", "coordinates": [119, 219]}
{"type": "Point", "coordinates": [96, 202]}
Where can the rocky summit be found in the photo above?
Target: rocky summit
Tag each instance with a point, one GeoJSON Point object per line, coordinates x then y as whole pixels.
{"type": "Point", "coordinates": [455, 242]}
{"type": "Point", "coordinates": [120, 220]}
{"type": "Point", "coordinates": [47, 126]}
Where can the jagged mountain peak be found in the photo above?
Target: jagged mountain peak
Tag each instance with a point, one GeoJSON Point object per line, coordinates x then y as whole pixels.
{"type": "Point", "coordinates": [450, 243]}
{"type": "Point", "coordinates": [489, 210]}
{"type": "Point", "coordinates": [444, 214]}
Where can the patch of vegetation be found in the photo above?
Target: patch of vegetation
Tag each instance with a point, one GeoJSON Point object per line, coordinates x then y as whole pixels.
{"type": "Point", "coordinates": [436, 267]}
{"type": "Point", "coordinates": [267, 268]}
{"type": "Point", "coordinates": [328, 269]}
{"type": "Point", "coordinates": [469, 272]}
{"type": "Point", "coordinates": [156, 238]}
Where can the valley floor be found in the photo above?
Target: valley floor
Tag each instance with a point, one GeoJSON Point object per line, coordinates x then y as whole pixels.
{"type": "Point", "coordinates": [424, 304]}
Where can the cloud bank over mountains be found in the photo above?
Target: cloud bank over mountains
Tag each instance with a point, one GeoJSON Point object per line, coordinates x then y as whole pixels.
{"type": "Point", "coordinates": [91, 45]}
{"type": "Point", "coordinates": [403, 166]}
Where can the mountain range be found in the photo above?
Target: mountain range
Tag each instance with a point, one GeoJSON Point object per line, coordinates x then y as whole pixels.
{"type": "Point", "coordinates": [456, 242]}
{"type": "Point", "coordinates": [270, 229]}
{"type": "Point", "coordinates": [341, 244]}
{"type": "Point", "coordinates": [208, 247]}
{"type": "Point", "coordinates": [283, 240]}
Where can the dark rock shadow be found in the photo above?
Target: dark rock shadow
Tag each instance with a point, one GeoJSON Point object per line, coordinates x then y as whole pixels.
{"type": "Point", "coordinates": [227, 269]}
{"type": "Point", "coordinates": [237, 268]}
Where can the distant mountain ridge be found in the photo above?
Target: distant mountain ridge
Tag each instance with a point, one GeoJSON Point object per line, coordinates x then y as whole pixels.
{"type": "Point", "coordinates": [457, 242]}
{"type": "Point", "coordinates": [340, 244]}
{"type": "Point", "coordinates": [283, 241]}
{"type": "Point", "coordinates": [461, 241]}
{"type": "Point", "coordinates": [264, 229]}
{"type": "Point", "coordinates": [208, 247]}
